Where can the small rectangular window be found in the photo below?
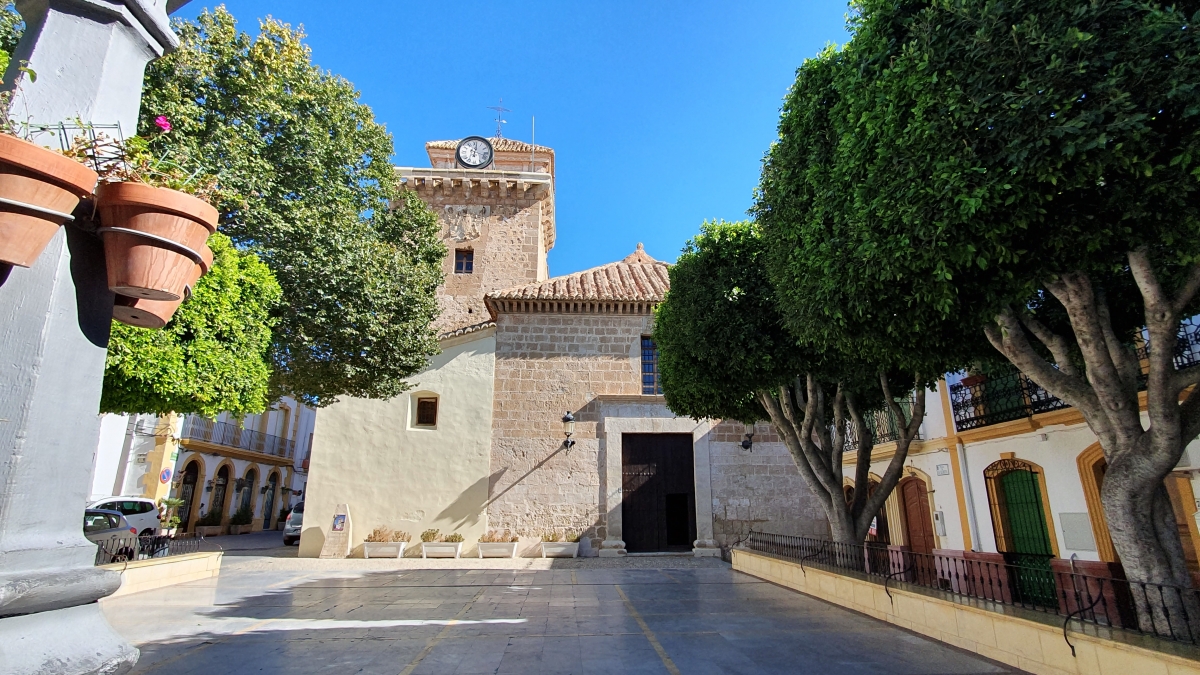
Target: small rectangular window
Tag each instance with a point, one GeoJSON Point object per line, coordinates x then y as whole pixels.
{"type": "Point", "coordinates": [464, 261]}
{"type": "Point", "coordinates": [427, 412]}
{"type": "Point", "coordinates": [651, 382]}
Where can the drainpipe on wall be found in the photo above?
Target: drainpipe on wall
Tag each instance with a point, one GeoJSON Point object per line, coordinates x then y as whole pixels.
{"type": "Point", "coordinates": [972, 524]}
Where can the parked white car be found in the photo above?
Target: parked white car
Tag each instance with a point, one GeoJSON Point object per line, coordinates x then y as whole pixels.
{"type": "Point", "coordinates": [291, 527]}
{"type": "Point", "coordinates": [142, 513]}
{"type": "Point", "coordinates": [117, 539]}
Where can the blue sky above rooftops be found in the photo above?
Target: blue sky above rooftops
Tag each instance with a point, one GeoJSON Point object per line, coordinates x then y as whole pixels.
{"type": "Point", "coordinates": [659, 112]}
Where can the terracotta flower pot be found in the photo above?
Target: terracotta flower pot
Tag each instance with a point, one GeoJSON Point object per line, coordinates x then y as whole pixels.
{"type": "Point", "coordinates": [39, 189]}
{"type": "Point", "coordinates": [152, 238]}
{"type": "Point", "coordinates": [155, 314]}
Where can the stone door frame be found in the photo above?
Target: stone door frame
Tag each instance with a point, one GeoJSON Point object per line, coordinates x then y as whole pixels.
{"type": "Point", "coordinates": [614, 427]}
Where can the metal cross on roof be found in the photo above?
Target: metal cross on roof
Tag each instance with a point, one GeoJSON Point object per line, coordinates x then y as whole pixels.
{"type": "Point", "coordinates": [500, 110]}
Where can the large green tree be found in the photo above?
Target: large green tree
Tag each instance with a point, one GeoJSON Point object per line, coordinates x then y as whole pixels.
{"type": "Point", "coordinates": [214, 354]}
{"type": "Point", "coordinates": [1029, 169]}
{"type": "Point", "coordinates": [307, 184]}
{"type": "Point", "coordinates": [725, 352]}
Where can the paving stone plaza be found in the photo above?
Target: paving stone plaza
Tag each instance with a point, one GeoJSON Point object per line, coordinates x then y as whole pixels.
{"type": "Point", "coordinates": [269, 612]}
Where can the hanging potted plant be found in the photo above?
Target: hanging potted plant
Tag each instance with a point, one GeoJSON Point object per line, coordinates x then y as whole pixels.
{"type": "Point", "coordinates": [39, 188]}
{"type": "Point", "coordinates": [155, 220]}
{"type": "Point", "coordinates": [155, 314]}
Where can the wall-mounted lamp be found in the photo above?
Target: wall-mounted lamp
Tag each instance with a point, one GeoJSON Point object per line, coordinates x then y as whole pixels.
{"type": "Point", "coordinates": [748, 441]}
{"type": "Point", "coordinates": [568, 428]}
{"type": "Point", "coordinates": [208, 486]}
{"type": "Point", "coordinates": [239, 484]}
{"type": "Point", "coordinates": [262, 490]}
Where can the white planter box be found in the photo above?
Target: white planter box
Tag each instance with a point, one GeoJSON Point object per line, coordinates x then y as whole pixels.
{"type": "Point", "coordinates": [440, 549]}
{"type": "Point", "coordinates": [383, 549]}
{"type": "Point", "coordinates": [492, 549]}
{"type": "Point", "coordinates": [560, 549]}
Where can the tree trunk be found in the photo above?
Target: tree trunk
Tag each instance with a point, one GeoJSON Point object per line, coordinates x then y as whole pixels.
{"type": "Point", "coordinates": [798, 414]}
{"type": "Point", "coordinates": [1136, 505]}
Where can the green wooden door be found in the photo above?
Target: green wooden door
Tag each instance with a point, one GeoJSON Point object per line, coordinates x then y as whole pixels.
{"type": "Point", "coordinates": [1029, 542]}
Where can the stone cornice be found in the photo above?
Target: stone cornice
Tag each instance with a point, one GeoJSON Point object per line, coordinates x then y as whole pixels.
{"type": "Point", "coordinates": [467, 183]}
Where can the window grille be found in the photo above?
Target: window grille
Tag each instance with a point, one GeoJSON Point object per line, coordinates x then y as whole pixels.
{"type": "Point", "coordinates": [464, 261]}
{"type": "Point", "coordinates": [427, 409]}
{"type": "Point", "coordinates": [651, 381]}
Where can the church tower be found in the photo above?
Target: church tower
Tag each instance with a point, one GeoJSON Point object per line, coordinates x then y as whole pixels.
{"type": "Point", "coordinates": [494, 199]}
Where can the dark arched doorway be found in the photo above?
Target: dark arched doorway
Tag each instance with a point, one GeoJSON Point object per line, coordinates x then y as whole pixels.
{"type": "Point", "coordinates": [248, 487]}
{"type": "Point", "coordinates": [269, 500]}
{"type": "Point", "coordinates": [187, 492]}
{"type": "Point", "coordinates": [220, 488]}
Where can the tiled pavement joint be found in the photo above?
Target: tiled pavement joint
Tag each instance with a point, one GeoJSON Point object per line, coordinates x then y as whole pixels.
{"type": "Point", "coordinates": [441, 634]}
{"type": "Point", "coordinates": [658, 648]}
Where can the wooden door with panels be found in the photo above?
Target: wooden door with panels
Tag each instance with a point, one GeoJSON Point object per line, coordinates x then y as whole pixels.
{"type": "Point", "coordinates": [658, 504]}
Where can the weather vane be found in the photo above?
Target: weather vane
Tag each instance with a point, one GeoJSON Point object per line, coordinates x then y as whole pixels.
{"type": "Point", "coordinates": [500, 110]}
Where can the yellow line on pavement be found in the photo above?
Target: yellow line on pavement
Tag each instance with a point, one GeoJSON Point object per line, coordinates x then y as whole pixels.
{"type": "Point", "coordinates": [441, 634]}
{"type": "Point", "coordinates": [574, 581]}
{"type": "Point", "coordinates": [662, 653]}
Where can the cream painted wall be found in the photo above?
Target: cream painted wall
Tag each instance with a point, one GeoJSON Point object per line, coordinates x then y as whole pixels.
{"type": "Point", "coordinates": [1056, 455]}
{"type": "Point", "coordinates": [369, 454]}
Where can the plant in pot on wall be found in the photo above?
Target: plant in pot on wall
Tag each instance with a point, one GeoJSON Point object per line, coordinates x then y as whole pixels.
{"type": "Point", "coordinates": [385, 542]}
{"type": "Point", "coordinates": [434, 546]}
{"type": "Point", "coordinates": [209, 525]}
{"type": "Point", "coordinates": [168, 515]}
{"type": "Point", "coordinates": [39, 188]}
{"type": "Point", "coordinates": [557, 545]}
{"type": "Point", "coordinates": [155, 221]}
{"type": "Point", "coordinates": [495, 544]}
{"type": "Point", "coordinates": [239, 523]}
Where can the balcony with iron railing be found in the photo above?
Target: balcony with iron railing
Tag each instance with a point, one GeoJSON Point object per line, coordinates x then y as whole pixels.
{"type": "Point", "coordinates": [232, 436]}
{"type": "Point", "coordinates": [884, 426]}
{"type": "Point", "coordinates": [983, 401]}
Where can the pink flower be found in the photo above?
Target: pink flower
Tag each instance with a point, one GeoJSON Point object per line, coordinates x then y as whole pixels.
{"type": "Point", "coordinates": [162, 122]}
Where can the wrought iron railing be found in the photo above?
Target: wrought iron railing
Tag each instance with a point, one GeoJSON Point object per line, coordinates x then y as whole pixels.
{"type": "Point", "coordinates": [884, 426]}
{"type": "Point", "coordinates": [129, 549]}
{"type": "Point", "coordinates": [983, 401]}
{"type": "Point", "coordinates": [1167, 612]}
{"type": "Point", "coordinates": [232, 436]}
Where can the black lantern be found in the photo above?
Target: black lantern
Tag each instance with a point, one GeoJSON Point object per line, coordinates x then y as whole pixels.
{"type": "Point", "coordinates": [748, 441]}
{"type": "Point", "coordinates": [568, 422]}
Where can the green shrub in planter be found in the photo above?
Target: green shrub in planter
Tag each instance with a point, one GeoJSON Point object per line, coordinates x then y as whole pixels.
{"type": "Point", "coordinates": [430, 535]}
{"type": "Point", "coordinates": [212, 518]}
{"type": "Point", "coordinates": [243, 517]}
{"type": "Point", "coordinates": [453, 538]}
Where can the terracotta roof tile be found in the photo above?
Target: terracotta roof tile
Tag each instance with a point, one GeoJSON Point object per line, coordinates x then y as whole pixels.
{"type": "Point", "coordinates": [637, 278]}
{"type": "Point", "coordinates": [498, 144]}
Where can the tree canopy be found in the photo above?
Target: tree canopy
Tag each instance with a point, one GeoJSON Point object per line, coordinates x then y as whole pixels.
{"type": "Point", "coordinates": [212, 357]}
{"type": "Point", "coordinates": [725, 352]}
{"type": "Point", "coordinates": [1028, 172]}
{"type": "Point", "coordinates": [308, 186]}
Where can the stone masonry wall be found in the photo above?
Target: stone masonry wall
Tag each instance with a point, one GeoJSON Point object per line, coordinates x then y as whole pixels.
{"type": "Point", "coordinates": [547, 364]}
{"type": "Point", "coordinates": [506, 234]}
{"type": "Point", "coordinates": [758, 489]}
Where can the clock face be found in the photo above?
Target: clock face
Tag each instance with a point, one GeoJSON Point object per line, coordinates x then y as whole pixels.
{"type": "Point", "coordinates": [474, 152]}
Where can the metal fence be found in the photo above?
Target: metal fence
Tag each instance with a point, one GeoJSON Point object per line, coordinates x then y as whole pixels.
{"type": "Point", "coordinates": [231, 435]}
{"type": "Point", "coordinates": [129, 549]}
{"type": "Point", "coordinates": [1166, 612]}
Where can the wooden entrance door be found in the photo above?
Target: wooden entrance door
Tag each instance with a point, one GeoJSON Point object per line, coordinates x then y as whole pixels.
{"type": "Point", "coordinates": [918, 523]}
{"type": "Point", "coordinates": [658, 504]}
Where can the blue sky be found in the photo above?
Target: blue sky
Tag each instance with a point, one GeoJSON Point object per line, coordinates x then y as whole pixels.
{"type": "Point", "coordinates": [659, 112]}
